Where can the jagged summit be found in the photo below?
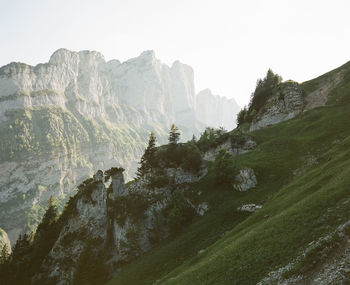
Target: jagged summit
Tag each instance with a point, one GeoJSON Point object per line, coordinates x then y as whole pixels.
{"type": "Point", "coordinates": [63, 55]}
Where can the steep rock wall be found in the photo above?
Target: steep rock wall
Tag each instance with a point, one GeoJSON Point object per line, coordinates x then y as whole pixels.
{"type": "Point", "coordinates": [62, 120]}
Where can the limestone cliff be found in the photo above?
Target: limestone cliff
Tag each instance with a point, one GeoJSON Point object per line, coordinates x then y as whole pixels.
{"type": "Point", "coordinates": [216, 111]}
{"type": "Point", "coordinates": [62, 120]}
{"type": "Point", "coordinates": [285, 105]}
{"type": "Point", "coordinates": [291, 98]}
{"type": "Point", "coordinates": [119, 222]}
{"type": "Point", "coordinates": [4, 241]}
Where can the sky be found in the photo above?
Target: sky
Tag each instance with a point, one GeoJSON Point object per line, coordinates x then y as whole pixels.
{"type": "Point", "coordinates": [229, 43]}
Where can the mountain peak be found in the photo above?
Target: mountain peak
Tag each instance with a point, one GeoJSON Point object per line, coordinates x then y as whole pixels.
{"type": "Point", "coordinates": [148, 54]}
{"type": "Point", "coordinates": [63, 55]}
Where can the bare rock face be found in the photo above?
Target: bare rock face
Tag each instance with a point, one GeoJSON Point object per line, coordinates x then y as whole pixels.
{"type": "Point", "coordinates": [4, 241]}
{"type": "Point", "coordinates": [87, 223]}
{"type": "Point", "coordinates": [285, 106]}
{"type": "Point", "coordinates": [248, 145]}
{"type": "Point", "coordinates": [249, 208]}
{"type": "Point", "coordinates": [63, 120]}
{"type": "Point", "coordinates": [245, 180]}
{"type": "Point", "coordinates": [216, 111]}
{"type": "Point", "coordinates": [101, 217]}
{"type": "Point", "coordinates": [180, 176]}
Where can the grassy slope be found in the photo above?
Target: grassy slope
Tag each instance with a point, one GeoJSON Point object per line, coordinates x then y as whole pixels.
{"type": "Point", "coordinates": [242, 249]}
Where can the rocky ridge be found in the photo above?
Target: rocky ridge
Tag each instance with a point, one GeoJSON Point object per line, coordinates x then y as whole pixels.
{"type": "Point", "coordinates": [61, 121]}
{"type": "Point", "coordinates": [290, 100]}
{"type": "Point", "coordinates": [288, 103]}
{"type": "Point", "coordinates": [97, 215]}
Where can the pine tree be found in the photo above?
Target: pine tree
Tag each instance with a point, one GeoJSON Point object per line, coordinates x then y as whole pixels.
{"type": "Point", "coordinates": [174, 135]}
{"type": "Point", "coordinates": [4, 254]}
{"type": "Point", "coordinates": [147, 162]}
{"type": "Point", "coordinates": [193, 140]}
{"type": "Point", "coordinates": [49, 217]}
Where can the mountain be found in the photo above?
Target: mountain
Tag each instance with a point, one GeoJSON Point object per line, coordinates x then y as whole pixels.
{"type": "Point", "coordinates": [293, 226]}
{"type": "Point", "coordinates": [214, 110]}
{"type": "Point", "coordinates": [268, 206]}
{"type": "Point", "coordinates": [63, 120]}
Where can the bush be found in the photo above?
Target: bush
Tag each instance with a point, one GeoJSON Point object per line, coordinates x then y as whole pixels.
{"type": "Point", "coordinates": [223, 168]}
{"type": "Point", "coordinates": [178, 212]}
{"type": "Point", "coordinates": [186, 156]}
{"type": "Point", "coordinates": [133, 205]}
{"type": "Point", "coordinates": [263, 91]}
{"type": "Point", "coordinates": [211, 138]}
{"type": "Point", "coordinates": [158, 180]}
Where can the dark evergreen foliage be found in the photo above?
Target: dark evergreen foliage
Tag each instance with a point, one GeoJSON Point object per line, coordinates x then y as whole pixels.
{"type": "Point", "coordinates": [90, 267]}
{"type": "Point", "coordinates": [110, 172]}
{"type": "Point", "coordinates": [263, 91]}
{"type": "Point", "coordinates": [211, 138]}
{"type": "Point", "coordinates": [29, 252]}
{"type": "Point", "coordinates": [148, 161]}
{"type": "Point", "coordinates": [174, 135]}
{"type": "Point", "coordinates": [224, 168]}
{"type": "Point", "coordinates": [178, 212]}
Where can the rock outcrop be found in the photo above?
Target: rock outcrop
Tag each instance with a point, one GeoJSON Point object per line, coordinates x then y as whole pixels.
{"type": "Point", "coordinates": [231, 148]}
{"type": "Point", "coordinates": [285, 105]}
{"type": "Point", "coordinates": [249, 208]}
{"type": "Point", "coordinates": [61, 121]}
{"type": "Point", "coordinates": [120, 222]}
{"type": "Point", "coordinates": [245, 180]}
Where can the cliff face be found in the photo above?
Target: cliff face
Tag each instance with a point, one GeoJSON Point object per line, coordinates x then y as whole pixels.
{"type": "Point", "coordinates": [293, 98]}
{"type": "Point", "coordinates": [4, 241]}
{"type": "Point", "coordinates": [114, 223]}
{"type": "Point", "coordinates": [285, 105]}
{"type": "Point", "coordinates": [216, 111]}
{"type": "Point", "coordinates": [61, 121]}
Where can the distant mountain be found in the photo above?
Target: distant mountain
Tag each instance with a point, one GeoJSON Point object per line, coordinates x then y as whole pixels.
{"type": "Point", "coordinates": [61, 121]}
{"type": "Point", "coordinates": [214, 110]}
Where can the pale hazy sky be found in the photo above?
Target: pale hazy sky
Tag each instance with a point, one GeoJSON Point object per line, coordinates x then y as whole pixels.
{"type": "Point", "coordinates": [228, 43]}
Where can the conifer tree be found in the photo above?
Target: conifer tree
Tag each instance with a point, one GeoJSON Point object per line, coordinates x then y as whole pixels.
{"type": "Point", "coordinates": [147, 162]}
{"type": "Point", "coordinates": [4, 254]}
{"type": "Point", "coordinates": [49, 217]}
{"type": "Point", "coordinates": [174, 135]}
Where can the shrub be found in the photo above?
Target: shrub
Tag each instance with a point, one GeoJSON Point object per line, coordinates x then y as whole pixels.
{"type": "Point", "coordinates": [158, 180]}
{"type": "Point", "coordinates": [133, 205]}
{"type": "Point", "coordinates": [211, 138]}
{"type": "Point", "coordinates": [186, 156]}
{"type": "Point", "coordinates": [178, 212]}
{"type": "Point", "coordinates": [224, 169]}
{"type": "Point", "coordinates": [263, 91]}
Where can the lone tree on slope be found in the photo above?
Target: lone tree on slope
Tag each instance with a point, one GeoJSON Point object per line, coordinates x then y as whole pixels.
{"type": "Point", "coordinates": [148, 161]}
{"type": "Point", "coordinates": [174, 135]}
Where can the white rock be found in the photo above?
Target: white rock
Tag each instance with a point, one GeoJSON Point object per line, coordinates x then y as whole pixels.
{"type": "Point", "coordinates": [245, 180]}
{"type": "Point", "coordinates": [249, 208]}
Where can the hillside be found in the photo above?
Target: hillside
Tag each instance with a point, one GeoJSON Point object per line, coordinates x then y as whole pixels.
{"type": "Point", "coordinates": [268, 206]}
{"type": "Point", "coordinates": [300, 234]}
{"type": "Point", "coordinates": [63, 120]}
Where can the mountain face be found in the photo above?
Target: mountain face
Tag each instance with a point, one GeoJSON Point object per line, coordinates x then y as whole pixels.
{"type": "Point", "coordinates": [293, 226]}
{"type": "Point", "coordinates": [213, 108]}
{"type": "Point", "coordinates": [63, 120]}
{"type": "Point", "coordinates": [97, 219]}
{"type": "Point", "coordinates": [271, 208]}
{"type": "Point", "coordinates": [108, 223]}
{"type": "Point", "coordinates": [4, 241]}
